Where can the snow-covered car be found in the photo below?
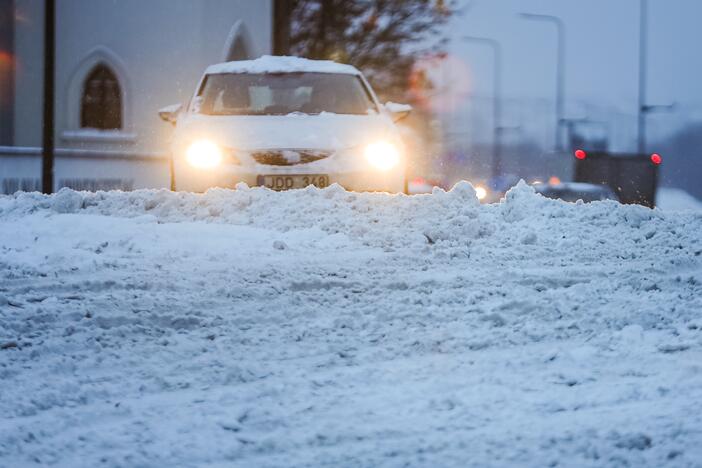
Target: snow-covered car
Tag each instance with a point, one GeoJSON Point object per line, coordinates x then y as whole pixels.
{"type": "Point", "coordinates": [286, 123]}
{"type": "Point", "coordinates": [574, 191]}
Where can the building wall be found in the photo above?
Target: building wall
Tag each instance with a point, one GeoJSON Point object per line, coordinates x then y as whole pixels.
{"type": "Point", "coordinates": [29, 69]}
{"type": "Point", "coordinates": [7, 75]}
{"type": "Point", "coordinates": [158, 48]}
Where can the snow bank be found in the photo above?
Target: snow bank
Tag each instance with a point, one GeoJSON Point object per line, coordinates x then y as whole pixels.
{"type": "Point", "coordinates": [275, 64]}
{"type": "Point", "coordinates": [328, 328]}
{"type": "Point", "coordinates": [377, 219]}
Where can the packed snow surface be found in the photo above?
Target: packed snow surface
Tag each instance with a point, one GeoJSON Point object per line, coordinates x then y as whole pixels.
{"type": "Point", "coordinates": [282, 64]}
{"type": "Point", "coordinates": [326, 328]}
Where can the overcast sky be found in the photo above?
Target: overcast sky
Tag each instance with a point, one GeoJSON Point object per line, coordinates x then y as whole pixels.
{"type": "Point", "coordinates": [601, 52]}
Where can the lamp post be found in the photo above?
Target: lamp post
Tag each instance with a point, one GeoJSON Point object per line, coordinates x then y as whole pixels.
{"type": "Point", "coordinates": [560, 69]}
{"type": "Point", "coordinates": [496, 99]}
{"type": "Point", "coordinates": [643, 63]}
{"type": "Point", "coordinates": [645, 109]}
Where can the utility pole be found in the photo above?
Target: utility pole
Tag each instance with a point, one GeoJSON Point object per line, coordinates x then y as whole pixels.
{"type": "Point", "coordinates": [47, 172]}
{"type": "Point", "coordinates": [643, 63]}
{"type": "Point", "coordinates": [560, 71]}
{"type": "Point", "coordinates": [496, 100]}
{"type": "Point", "coordinates": [282, 11]}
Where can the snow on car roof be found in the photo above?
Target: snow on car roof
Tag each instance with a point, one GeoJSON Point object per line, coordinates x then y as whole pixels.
{"type": "Point", "coordinates": [274, 64]}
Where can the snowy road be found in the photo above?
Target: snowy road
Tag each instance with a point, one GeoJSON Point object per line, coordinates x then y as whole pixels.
{"type": "Point", "coordinates": [324, 328]}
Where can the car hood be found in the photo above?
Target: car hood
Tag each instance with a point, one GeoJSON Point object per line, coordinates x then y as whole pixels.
{"type": "Point", "coordinates": [296, 131]}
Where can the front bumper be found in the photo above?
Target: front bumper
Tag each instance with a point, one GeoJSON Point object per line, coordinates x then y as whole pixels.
{"type": "Point", "coordinates": [191, 179]}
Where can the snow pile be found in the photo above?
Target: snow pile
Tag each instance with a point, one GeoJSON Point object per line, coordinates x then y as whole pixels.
{"type": "Point", "coordinates": [322, 327]}
{"type": "Point", "coordinates": [284, 64]}
{"type": "Point", "coordinates": [377, 219]}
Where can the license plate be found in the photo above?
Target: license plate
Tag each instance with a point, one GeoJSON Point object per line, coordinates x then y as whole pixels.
{"type": "Point", "coordinates": [287, 182]}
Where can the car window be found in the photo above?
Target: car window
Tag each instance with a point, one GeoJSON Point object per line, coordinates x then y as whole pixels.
{"type": "Point", "coordinates": [283, 93]}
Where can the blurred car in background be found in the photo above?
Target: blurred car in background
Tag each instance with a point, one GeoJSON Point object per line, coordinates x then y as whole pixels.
{"type": "Point", "coordinates": [632, 176]}
{"type": "Point", "coordinates": [419, 185]}
{"type": "Point", "coordinates": [286, 123]}
{"type": "Point", "coordinates": [574, 191]}
{"type": "Point", "coordinates": [494, 189]}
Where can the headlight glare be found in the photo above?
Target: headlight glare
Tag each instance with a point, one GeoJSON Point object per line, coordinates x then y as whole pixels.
{"type": "Point", "coordinates": [382, 155]}
{"type": "Point", "coordinates": [204, 154]}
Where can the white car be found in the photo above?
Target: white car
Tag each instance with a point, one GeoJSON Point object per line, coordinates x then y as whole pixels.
{"type": "Point", "coordinates": [286, 123]}
{"type": "Point", "coordinates": [574, 191]}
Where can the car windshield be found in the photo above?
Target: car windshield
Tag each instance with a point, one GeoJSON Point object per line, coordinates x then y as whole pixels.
{"type": "Point", "coordinates": [283, 93]}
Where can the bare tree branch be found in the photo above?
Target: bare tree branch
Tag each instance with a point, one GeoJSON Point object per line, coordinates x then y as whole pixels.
{"type": "Point", "coordinates": [382, 37]}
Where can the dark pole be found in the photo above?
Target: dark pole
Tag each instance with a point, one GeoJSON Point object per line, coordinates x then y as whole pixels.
{"type": "Point", "coordinates": [496, 100]}
{"type": "Point", "coordinates": [47, 173]}
{"type": "Point", "coordinates": [281, 26]}
{"type": "Point", "coordinates": [643, 19]}
{"type": "Point", "coordinates": [560, 70]}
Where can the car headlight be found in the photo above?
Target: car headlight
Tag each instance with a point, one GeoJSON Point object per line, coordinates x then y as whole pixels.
{"type": "Point", "coordinates": [203, 154]}
{"type": "Point", "coordinates": [382, 155]}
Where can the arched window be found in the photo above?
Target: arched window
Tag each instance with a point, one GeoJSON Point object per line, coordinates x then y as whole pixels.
{"type": "Point", "coordinates": [101, 101]}
{"type": "Point", "coordinates": [239, 51]}
{"type": "Point", "coordinates": [238, 43]}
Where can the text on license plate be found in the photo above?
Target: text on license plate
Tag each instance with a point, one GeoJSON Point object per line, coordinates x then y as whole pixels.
{"type": "Point", "coordinates": [287, 182]}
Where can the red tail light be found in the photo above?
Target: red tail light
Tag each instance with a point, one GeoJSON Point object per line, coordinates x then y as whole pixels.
{"type": "Point", "coordinates": [580, 154]}
{"type": "Point", "coordinates": [656, 158]}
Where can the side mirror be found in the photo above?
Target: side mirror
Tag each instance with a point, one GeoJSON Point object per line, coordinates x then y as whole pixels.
{"type": "Point", "coordinates": [170, 113]}
{"type": "Point", "coordinates": [398, 111]}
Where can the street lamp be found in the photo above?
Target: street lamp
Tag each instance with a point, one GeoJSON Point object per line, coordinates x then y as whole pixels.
{"type": "Point", "coordinates": [496, 99]}
{"type": "Point", "coordinates": [643, 20]}
{"type": "Point", "coordinates": [560, 69]}
{"type": "Point", "coordinates": [645, 109]}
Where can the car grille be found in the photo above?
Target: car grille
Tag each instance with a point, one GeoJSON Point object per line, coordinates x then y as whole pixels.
{"type": "Point", "coordinates": [288, 157]}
